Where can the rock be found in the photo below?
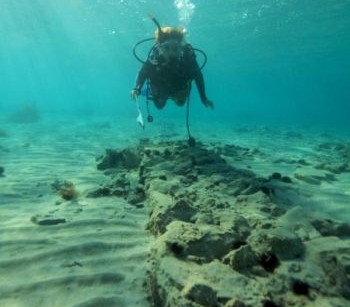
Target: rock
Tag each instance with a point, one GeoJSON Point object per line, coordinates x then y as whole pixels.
{"type": "Point", "coordinates": [336, 168]}
{"type": "Point", "coordinates": [286, 179]}
{"type": "Point", "coordinates": [280, 241]}
{"type": "Point", "coordinates": [203, 243]}
{"type": "Point", "coordinates": [167, 279]}
{"type": "Point", "coordinates": [169, 187]}
{"type": "Point", "coordinates": [276, 176]}
{"type": "Point", "coordinates": [47, 221]}
{"type": "Point", "coordinates": [269, 262]}
{"type": "Point", "coordinates": [165, 210]}
{"type": "Point", "coordinates": [300, 287]}
{"type": "Point", "coordinates": [136, 196]}
{"type": "Point", "coordinates": [236, 224]}
{"type": "Point", "coordinates": [127, 159]}
{"type": "Point", "coordinates": [200, 293]}
{"type": "Point", "coordinates": [241, 259]}
{"type": "Point", "coordinates": [101, 302]}
{"type": "Point", "coordinates": [245, 185]}
{"type": "Point", "coordinates": [307, 178]}
{"type": "Point", "coordinates": [230, 284]}
{"type": "Point", "coordinates": [99, 192]}
{"type": "Point", "coordinates": [329, 227]}
{"type": "Point", "coordinates": [119, 192]}
{"type": "Point", "coordinates": [206, 218]}
{"type": "Point", "coordinates": [183, 167]}
{"type": "Point", "coordinates": [225, 237]}
{"type": "Point", "coordinates": [335, 159]}
{"type": "Point", "coordinates": [332, 254]}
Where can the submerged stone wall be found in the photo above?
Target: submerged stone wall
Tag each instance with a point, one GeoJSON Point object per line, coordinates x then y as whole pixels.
{"type": "Point", "coordinates": [225, 237]}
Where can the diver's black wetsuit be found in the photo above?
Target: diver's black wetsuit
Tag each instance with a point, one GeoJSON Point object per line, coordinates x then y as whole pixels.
{"type": "Point", "coordinates": [172, 79]}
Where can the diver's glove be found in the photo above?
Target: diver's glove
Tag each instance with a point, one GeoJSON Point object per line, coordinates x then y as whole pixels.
{"type": "Point", "coordinates": [134, 93]}
{"type": "Point", "coordinates": [208, 103]}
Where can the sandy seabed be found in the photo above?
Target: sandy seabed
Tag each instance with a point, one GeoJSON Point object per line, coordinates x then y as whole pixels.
{"type": "Point", "coordinates": [100, 213]}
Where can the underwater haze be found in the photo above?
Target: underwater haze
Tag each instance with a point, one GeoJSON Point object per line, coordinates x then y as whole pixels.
{"type": "Point", "coordinates": [269, 61]}
{"type": "Point", "coordinates": [245, 204]}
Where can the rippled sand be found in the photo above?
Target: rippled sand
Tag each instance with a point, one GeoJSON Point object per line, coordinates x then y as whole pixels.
{"type": "Point", "coordinates": [98, 255]}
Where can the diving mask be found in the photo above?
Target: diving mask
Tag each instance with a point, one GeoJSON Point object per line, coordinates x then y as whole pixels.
{"type": "Point", "coordinates": [171, 48]}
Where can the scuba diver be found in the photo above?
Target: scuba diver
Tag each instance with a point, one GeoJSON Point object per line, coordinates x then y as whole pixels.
{"type": "Point", "coordinates": [169, 69]}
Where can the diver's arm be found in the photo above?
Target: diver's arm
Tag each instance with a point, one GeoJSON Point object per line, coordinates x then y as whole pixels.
{"type": "Point", "coordinates": [198, 78]}
{"type": "Point", "coordinates": [142, 76]}
{"type": "Point", "coordinates": [197, 75]}
{"type": "Point", "coordinates": [140, 80]}
{"type": "Point", "coordinates": [200, 85]}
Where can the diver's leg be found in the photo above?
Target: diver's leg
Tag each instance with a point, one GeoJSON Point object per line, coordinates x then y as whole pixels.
{"type": "Point", "coordinates": [158, 97]}
{"type": "Point", "coordinates": [181, 97]}
{"type": "Point", "coordinates": [159, 103]}
{"type": "Point", "coordinates": [180, 102]}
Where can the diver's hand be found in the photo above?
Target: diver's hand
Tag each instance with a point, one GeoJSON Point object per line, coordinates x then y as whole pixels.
{"type": "Point", "coordinates": [208, 103]}
{"type": "Point", "coordinates": [134, 93]}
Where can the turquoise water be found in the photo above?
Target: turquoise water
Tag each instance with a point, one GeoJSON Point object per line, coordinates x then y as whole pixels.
{"type": "Point", "coordinates": [269, 61]}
